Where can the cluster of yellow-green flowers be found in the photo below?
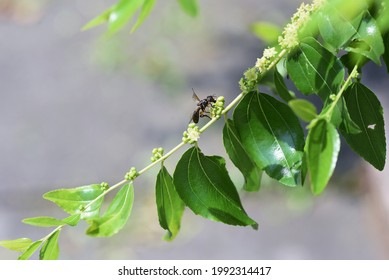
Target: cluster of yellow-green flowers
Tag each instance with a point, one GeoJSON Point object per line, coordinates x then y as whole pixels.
{"type": "Point", "coordinates": [218, 107]}
{"type": "Point", "coordinates": [289, 38]}
{"type": "Point", "coordinates": [157, 154]}
{"type": "Point", "coordinates": [131, 175]}
{"type": "Point", "coordinates": [264, 62]}
{"type": "Point", "coordinates": [104, 186]}
{"type": "Point", "coordinates": [192, 134]}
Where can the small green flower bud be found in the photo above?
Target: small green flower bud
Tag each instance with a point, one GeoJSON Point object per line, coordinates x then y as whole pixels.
{"type": "Point", "coordinates": [131, 175]}
{"type": "Point", "coordinates": [104, 186]}
{"type": "Point", "coordinates": [160, 150]}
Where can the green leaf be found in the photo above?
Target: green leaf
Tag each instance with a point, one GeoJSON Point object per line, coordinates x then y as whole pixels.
{"type": "Point", "coordinates": [169, 204]}
{"type": "Point", "coordinates": [19, 245]}
{"type": "Point", "coordinates": [313, 69]}
{"type": "Point", "coordinates": [30, 250]}
{"type": "Point", "coordinates": [266, 31]}
{"type": "Point", "coordinates": [75, 199]}
{"type": "Point", "coordinates": [45, 221]}
{"type": "Point", "coordinates": [189, 6]}
{"type": "Point", "coordinates": [322, 153]}
{"type": "Point", "coordinates": [239, 156]}
{"type": "Point", "coordinates": [204, 185]}
{"type": "Point", "coordinates": [281, 88]}
{"type": "Point", "coordinates": [50, 248]}
{"type": "Point", "coordinates": [304, 109]}
{"type": "Point", "coordinates": [339, 21]}
{"type": "Point", "coordinates": [368, 40]}
{"type": "Point", "coordinates": [121, 14]}
{"type": "Point", "coordinates": [146, 9]}
{"type": "Point", "coordinates": [100, 19]}
{"type": "Point", "coordinates": [347, 124]}
{"type": "Point", "coordinates": [72, 220]}
{"type": "Point", "coordinates": [272, 136]}
{"type": "Point", "coordinates": [366, 111]}
{"type": "Point", "coordinates": [116, 215]}
{"type": "Point", "coordinates": [386, 53]}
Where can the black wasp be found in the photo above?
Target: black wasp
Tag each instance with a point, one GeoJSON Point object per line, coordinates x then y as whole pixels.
{"type": "Point", "coordinates": [202, 105]}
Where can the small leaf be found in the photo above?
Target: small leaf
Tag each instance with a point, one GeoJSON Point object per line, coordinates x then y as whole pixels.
{"type": "Point", "coordinates": [116, 215]}
{"type": "Point", "coordinates": [272, 136]}
{"type": "Point", "coordinates": [121, 14]}
{"type": "Point", "coordinates": [368, 40]}
{"type": "Point", "coordinates": [100, 19]}
{"type": "Point", "coordinates": [50, 248]}
{"type": "Point", "coordinates": [366, 111]}
{"type": "Point", "coordinates": [304, 109]}
{"type": "Point", "coordinates": [239, 156]}
{"type": "Point", "coordinates": [281, 88]}
{"type": "Point", "coordinates": [204, 185]}
{"type": "Point", "coordinates": [146, 9]}
{"type": "Point", "coordinates": [73, 200]}
{"type": "Point", "coordinates": [30, 250]}
{"type": "Point", "coordinates": [169, 204]}
{"type": "Point", "coordinates": [313, 69]}
{"type": "Point", "coordinates": [266, 31]}
{"type": "Point", "coordinates": [43, 222]}
{"type": "Point", "coordinates": [189, 6]}
{"type": "Point", "coordinates": [19, 245]}
{"type": "Point", "coordinates": [322, 153]}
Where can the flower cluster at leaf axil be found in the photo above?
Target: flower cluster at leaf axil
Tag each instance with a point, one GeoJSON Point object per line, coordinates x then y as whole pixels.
{"type": "Point", "coordinates": [157, 154]}
{"type": "Point", "coordinates": [192, 134]}
{"type": "Point", "coordinates": [218, 107]}
{"type": "Point", "coordinates": [104, 186]}
{"type": "Point", "coordinates": [131, 175]}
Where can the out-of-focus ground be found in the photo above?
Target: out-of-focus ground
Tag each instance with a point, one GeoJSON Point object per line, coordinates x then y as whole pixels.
{"type": "Point", "coordinates": [77, 109]}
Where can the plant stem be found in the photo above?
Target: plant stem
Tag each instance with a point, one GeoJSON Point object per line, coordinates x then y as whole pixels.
{"type": "Point", "coordinates": [340, 93]}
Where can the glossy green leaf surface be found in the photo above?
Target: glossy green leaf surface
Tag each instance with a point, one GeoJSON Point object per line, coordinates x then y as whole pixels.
{"type": "Point", "coordinates": [339, 21]}
{"type": "Point", "coordinates": [189, 6]}
{"type": "Point", "coordinates": [313, 69]}
{"type": "Point", "coordinates": [323, 146]}
{"type": "Point", "coordinates": [169, 205]}
{"type": "Point", "coordinates": [368, 40]}
{"type": "Point", "coordinates": [251, 172]}
{"type": "Point", "coordinates": [19, 245]}
{"type": "Point", "coordinates": [50, 248]}
{"type": "Point", "coordinates": [366, 111]}
{"type": "Point", "coordinates": [72, 200]}
{"type": "Point", "coordinates": [204, 185]}
{"type": "Point", "coordinates": [304, 109]}
{"type": "Point", "coordinates": [281, 88]}
{"type": "Point", "coordinates": [272, 136]}
{"type": "Point", "coordinates": [30, 250]}
{"type": "Point", "coordinates": [116, 216]}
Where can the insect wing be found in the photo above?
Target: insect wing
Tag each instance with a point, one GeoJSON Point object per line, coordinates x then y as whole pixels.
{"type": "Point", "coordinates": [194, 96]}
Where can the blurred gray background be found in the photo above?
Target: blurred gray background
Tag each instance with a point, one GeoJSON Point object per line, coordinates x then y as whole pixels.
{"type": "Point", "coordinates": [76, 109]}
